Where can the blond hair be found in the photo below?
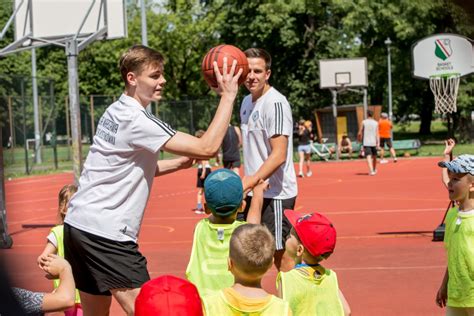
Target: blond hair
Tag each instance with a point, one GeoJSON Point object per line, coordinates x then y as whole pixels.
{"type": "Point", "coordinates": [64, 196]}
{"type": "Point", "coordinates": [137, 58]}
{"type": "Point", "coordinates": [252, 248]}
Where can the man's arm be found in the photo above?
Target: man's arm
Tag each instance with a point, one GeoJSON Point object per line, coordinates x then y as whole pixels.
{"type": "Point", "coordinates": [168, 166]}
{"type": "Point", "coordinates": [279, 145]}
{"type": "Point", "coordinates": [207, 146]}
{"type": "Point", "coordinates": [239, 135]}
{"type": "Point", "coordinates": [359, 134]}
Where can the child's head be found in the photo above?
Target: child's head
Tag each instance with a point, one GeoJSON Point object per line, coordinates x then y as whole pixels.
{"type": "Point", "coordinates": [65, 194]}
{"type": "Point", "coordinates": [312, 237]}
{"type": "Point", "coordinates": [168, 295]}
{"type": "Point", "coordinates": [138, 58]}
{"type": "Point", "coordinates": [224, 192]}
{"type": "Point", "coordinates": [461, 177]}
{"type": "Point", "coordinates": [251, 251]}
{"type": "Point", "coordinates": [199, 133]}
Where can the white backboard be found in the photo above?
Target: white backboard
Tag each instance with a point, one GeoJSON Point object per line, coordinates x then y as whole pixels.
{"type": "Point", "coordinates": [53, 19]}
{"type": "Point", "coordinates": [442, 54]}
{"type": "Point", "coordinates": [344, 72]}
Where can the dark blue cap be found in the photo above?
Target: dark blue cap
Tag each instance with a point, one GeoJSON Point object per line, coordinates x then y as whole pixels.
{"type": "Point", "coordinates": [223, 191]}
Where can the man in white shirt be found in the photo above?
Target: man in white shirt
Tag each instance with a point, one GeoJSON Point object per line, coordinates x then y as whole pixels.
{"type": "Point", "coordinates": [267, 139]}
{"type": "Point", "coordinates": [103, 222]}
{"type": "Point", "coordinates": [369, 133]}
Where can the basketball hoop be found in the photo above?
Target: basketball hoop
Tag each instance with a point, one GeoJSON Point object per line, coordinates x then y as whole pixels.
{"type": "Point", "coordinates": [445, 89]}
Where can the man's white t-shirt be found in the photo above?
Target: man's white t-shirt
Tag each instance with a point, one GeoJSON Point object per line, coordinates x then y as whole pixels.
{"type": "Point", "coordinates": [371, 130]}
{"type": "Point", "coordinates": [118, 173]}
{"type": "Point", "coordinates": [270, 115]}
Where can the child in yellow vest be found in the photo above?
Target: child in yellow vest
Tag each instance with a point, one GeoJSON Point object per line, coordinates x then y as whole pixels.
{"type": "Point", "coordinates": [456, 292]}
{"type": "Point", "coordinates": [251, 252]}
{"type": "Point", "coordinates": [310, 288]}
{"type": "Point", "coordinates": [55, 241]}
{"type": "Point", "coordinates": [223, 191]}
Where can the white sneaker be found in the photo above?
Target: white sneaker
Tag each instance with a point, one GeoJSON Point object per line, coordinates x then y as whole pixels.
{"type": "Point", "coordinates": [309, 174]}
{"type": "Point", "coordinates": [373, 173]}
{"type": "Point", "coordinates": [383, 161]}
{"type": "Point", "coordinates": [301, 175]}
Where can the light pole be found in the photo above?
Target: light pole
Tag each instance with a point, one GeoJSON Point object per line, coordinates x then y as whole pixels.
{"type": "Point", "coordinates": [389, 70]}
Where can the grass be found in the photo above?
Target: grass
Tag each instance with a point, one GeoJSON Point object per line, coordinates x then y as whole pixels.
{"type": "Point", "coordinates": [432, 145]}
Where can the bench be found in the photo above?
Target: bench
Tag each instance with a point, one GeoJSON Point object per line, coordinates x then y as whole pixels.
{"type": "Point", "coordinates": [407, 144]}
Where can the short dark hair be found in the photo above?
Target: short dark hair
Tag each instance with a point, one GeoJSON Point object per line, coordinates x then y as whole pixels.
{"type": "Point", "coordinates": [370, 113]}
{"type": "Point", "coordinates": [260, 53]}
{"type": "Point", "coordinates": [136, 58]}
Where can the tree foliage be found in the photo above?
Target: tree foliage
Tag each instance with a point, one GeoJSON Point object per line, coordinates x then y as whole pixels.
{"type": "Point", "coordinates": [297, 33]}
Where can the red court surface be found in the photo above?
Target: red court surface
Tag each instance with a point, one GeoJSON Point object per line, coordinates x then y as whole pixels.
{"type": "Point", "coordinates": [384, 258]}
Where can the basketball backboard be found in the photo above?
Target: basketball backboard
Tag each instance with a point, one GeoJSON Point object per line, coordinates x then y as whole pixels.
{"type": "Point", "coordinates": [343, 73]}
{"type": "Point", "coordinates": [442, 54]}
{"type": "Point", "coordinates": [53, 19]}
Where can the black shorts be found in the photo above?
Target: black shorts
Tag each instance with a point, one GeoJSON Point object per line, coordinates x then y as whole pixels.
{"type": "Point", "coordinates": [100, 264]}
{"type": "Point", "coordinates": [200, 182]}
{"type": "Point", "coordinates": [370, 150]}
{"type": "Point", "coordinates": [274, 218]}
{"type": "Point", "coordinates": [231, 164]}
{"type": "Point", "coordinates": [384, 141]}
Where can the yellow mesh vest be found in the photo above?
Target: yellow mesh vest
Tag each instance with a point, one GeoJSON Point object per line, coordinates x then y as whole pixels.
{"type": "Point", "coordinates": [58, 232]}
{"type": "Point", "coordinates": [207, 267]}
{"type": "Point", "coordinates": [216, 304]}
{"type": "Point", "coordinates": [308, 295]}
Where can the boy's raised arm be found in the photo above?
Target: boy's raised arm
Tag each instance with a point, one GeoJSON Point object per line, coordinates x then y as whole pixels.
{"type": "Point", "coordinates": [255, 211]}
{"type": "Point", "coordinates": [447, 156]}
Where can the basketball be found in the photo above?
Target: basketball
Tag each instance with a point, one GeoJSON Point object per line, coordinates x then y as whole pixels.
{"type": "Point", "coordinates": [406, 154]}
{"type": "Point", "coordinates": [217, 54]}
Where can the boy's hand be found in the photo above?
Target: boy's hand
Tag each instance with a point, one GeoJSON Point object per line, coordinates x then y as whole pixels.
{"type": "Point", "coordinates": [53, 265]}
{"type": "Point", "coordinates": [249, 182]}
{"type": "Point", "coordinates": [442, 296]}
{"type": "Point", "coordinates": [449, 146]}
{"type": "Point", "coordinates": [185, 162]}
{"type": "Point", "coordinates": [227, 82]}
{"type": "Point", "coordinates": [261, 187]}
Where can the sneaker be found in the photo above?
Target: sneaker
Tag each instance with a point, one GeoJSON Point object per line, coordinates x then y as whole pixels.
{"type": "Point", "coordinates": [301, 175]}
{"type": "Point", "coordinates": [373, 173]}
{"type": "Point", "coordinates": [395, 160]}
{"type": "Point", "coordinates": [309, 174]}
{"type": "Point", "coordinates": [383, 161]}
{"type": "Point", "coordinates": [199, 211]}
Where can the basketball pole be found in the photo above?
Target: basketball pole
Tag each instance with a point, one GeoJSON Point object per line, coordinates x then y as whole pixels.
{"type": "Point", "coordinates": [72, 51]}
{"type": "Point", "coordinates": [334, 113]}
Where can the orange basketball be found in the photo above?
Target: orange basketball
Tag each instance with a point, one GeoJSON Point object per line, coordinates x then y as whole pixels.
{"type": "Point", "coordinates": [217, 54]}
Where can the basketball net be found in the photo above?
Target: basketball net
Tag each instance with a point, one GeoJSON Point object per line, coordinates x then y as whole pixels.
{"type": "Point", "coordinates": [445, 90]}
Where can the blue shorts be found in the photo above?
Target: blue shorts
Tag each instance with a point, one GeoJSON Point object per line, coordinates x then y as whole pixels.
{"type": "Point", "coordinates": [304, 148]}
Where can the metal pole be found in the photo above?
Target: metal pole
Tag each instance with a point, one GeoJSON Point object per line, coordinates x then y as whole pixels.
{"type": "Point", "coordinates": [27, 169]}
{"type": "Point", "coordinates": [71, 53]}
{"type": "Point", "coordinates": [68, 128]}
{"type": "Point", "coordinates": [365, 103]}
{"type": "Point", "coordinates": [334, 113]}
{"type": "Point", "coordinates": [92, 115]}
{"type": "Point", "coordinates": [389, 71]}
{"type": "Point", "coordinates": [12, 131]}
{"type": "Point", "coordinates": [144, 29]}
{"type": "Point", "coordinates": [55, 116]}
{"type": "Point", "coordinates": [36, 108]}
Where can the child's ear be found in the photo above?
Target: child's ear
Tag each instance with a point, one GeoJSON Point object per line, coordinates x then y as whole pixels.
{"type": "Point", "coordinates": [131, 79]}
{"type": "Point", "coordinates": [206, 209]}
{"type": "Point", "coordinates": [299, 250]}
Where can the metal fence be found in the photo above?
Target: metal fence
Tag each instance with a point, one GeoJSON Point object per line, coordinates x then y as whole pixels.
{"type": "Point", "coordinates": [18, 126]}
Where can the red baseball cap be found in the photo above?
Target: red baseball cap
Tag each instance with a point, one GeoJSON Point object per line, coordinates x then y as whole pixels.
{"type": "Point", "coordinates": [168, 295]}
{"type": "Point", "coordinates": [315, 231]}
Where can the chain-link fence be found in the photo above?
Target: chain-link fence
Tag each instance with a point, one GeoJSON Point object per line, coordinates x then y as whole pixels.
{"type": "Point", "coordinates": [18, 123]}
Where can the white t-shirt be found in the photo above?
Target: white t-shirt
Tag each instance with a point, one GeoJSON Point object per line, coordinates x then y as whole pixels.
{"type": "Point", "coordinates": [118, 173]}
{"type": "Point", "coordinates": [270, 115]}
{"type": "Point", "coordinates": [371, 130]}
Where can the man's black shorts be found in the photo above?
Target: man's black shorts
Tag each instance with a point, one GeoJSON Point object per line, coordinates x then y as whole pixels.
{"type": "Point", "coordinates": [369, 150]}
{"type": "Point", "coordinates": [274, 218]}
{"type": "Point", "coordinates": [100, 264]}
{"type": "Point", "coordinates": [384, 141]}
{"type": "Point", "coordinates": [231, 164]}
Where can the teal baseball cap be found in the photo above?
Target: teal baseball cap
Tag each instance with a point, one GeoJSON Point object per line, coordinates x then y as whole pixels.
{"type": "Point", "coordinates": [223, 191]}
